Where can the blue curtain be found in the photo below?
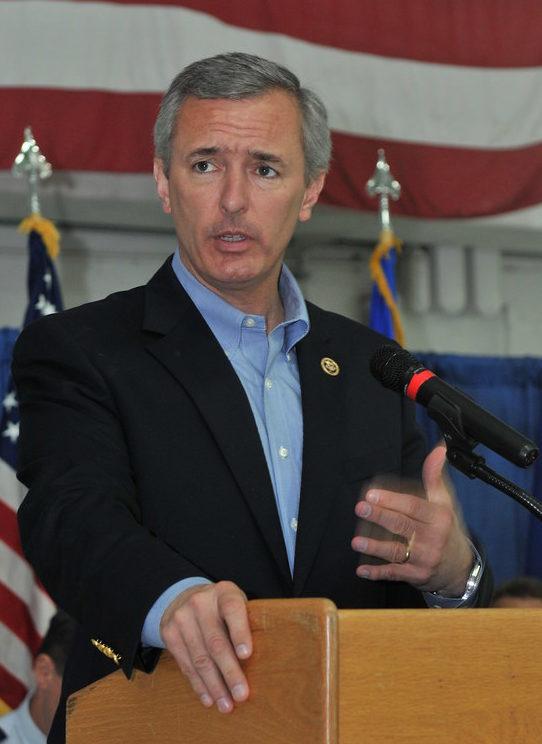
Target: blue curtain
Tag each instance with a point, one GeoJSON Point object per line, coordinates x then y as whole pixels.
{"type": "Point", "coordinates": [511, 389]}
{"type": "Point", "coordinates": [7, 339]}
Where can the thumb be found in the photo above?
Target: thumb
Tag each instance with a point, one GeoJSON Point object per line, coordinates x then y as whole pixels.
{"type": "Point", "coordinates": [435, 483]}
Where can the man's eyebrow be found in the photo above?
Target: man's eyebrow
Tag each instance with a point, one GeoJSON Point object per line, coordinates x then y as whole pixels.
{"type": "Point", "coordinates": [203, 152]}
{"type": "Point", "coordinates": [267, 156]}
{"type": "Point", "coordinates": [259, 155]}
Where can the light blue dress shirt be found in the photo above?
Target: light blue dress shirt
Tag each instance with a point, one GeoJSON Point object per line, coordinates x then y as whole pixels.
{"type": "Point", "coordinates": [19, 727]}
{"type": "Point", "coordinates": [266, 365]}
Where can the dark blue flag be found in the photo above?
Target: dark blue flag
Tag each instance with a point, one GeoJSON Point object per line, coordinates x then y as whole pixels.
{"type": "Point", "coordinates": [44, 298]}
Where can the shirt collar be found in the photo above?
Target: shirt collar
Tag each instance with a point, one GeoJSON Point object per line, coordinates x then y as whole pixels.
{"type": "Point", "coordinates": [226, 321]}
{"type": "Point", "coordinates": [30, 732]}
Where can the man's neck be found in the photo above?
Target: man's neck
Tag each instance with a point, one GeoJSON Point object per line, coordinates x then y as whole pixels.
{"type": "Point", "coordinates": [270, 308]}
{"type": "Point", "coordinates": [262, 299]}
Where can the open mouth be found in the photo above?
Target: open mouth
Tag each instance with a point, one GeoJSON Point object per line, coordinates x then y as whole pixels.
{"type": "Point", "coordinates": [235, 238]}
{"type": "Point", "coordinates": [232, 238]}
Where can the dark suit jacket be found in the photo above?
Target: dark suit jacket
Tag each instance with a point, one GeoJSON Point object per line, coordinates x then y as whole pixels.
{"type": "Point", "coordinates": [145, 466]}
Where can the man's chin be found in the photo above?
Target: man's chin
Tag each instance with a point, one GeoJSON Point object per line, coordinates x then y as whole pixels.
{"type": "Point", "coordinates": [241, 279]}
{"type": "Point", "coordinates": [236, 281]}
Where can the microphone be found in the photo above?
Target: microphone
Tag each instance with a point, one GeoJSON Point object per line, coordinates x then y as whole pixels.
{"type": "Point", "coordinates": [398, 370]}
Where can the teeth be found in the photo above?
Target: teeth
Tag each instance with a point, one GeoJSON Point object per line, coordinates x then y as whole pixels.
{"type": "Point", "coordinates": [232, 238]}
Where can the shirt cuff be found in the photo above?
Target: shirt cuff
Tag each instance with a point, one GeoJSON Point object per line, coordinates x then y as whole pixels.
{"type": "Point", "coordinates": [435, 600]}
{"type": "Point", "coordinates": [150, 634]}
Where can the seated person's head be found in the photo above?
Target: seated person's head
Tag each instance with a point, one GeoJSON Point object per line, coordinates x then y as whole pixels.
{"type": "Point", "coordinates": [48, 669]}
{"type": "Point", "coordinates": [520, 592]}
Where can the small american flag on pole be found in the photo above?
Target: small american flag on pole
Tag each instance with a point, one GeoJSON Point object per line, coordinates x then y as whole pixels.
{"type": "Point", "coordinates": [25, 608]}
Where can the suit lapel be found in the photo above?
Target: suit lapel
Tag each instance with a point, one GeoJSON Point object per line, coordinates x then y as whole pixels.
{"type": "Point", "coordinates": [323, 405]}
{"type": "Point", "coordinates": [191, 353]}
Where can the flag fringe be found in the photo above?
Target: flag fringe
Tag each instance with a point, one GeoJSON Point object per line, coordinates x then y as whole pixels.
{"type": "Point", "coordinates": [4, 708]}
{"type": "Point", "coordinates": [45, 228]}
{"type": "Point", "coordinates": [386, 242]}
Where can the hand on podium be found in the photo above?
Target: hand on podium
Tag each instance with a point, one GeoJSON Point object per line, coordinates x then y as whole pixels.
{"type": "Point", "coordinates": [206, 629]}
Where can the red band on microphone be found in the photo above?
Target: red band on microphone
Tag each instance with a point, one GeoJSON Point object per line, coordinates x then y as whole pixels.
{"type": "Point", "coordinates": [416, 381]}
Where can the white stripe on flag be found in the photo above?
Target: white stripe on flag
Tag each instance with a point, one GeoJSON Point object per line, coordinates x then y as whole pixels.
{"type": "Point", "coordinates": [529, 218]}
{"type": "Point", "coordinates": [113, 47]}
{"type": "Point", "coordinates": [11, 491]}
{"type": "Point", "coordinates": [16, 574]}
{"type": "Point", "coordinates": [16, 657]}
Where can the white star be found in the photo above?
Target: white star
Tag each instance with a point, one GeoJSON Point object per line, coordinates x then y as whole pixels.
{"type": "Point", "coordinates": [10, 401]}
{"type": "Point", "coordinates": [47, 279]}
{"type": "Point", "coordinates": [11, 431]}
{"type": "Point", "coordinates": [44, 306]}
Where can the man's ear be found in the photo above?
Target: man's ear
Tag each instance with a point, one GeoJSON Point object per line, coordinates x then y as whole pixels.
{"type": "Point", "coordinates": [44, 669]}
{"type": "Point", "coordinates": [162, 184]}
{"type": "Point", "coordinates": [312, 192]}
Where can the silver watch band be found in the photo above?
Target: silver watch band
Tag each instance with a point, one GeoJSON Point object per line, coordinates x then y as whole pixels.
{"type": "Point", "coordinates": [473, 582]}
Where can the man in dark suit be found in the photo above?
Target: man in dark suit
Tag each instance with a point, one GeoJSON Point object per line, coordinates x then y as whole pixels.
{"type": "Point", "coordinates": [204, 439]}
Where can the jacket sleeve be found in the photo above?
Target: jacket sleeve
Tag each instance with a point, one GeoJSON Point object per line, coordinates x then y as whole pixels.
{"type": "Point", "coordinates": [80, 523]}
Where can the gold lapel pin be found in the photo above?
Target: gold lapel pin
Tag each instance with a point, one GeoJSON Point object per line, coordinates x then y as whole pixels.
{"type": "Point", "coordinates": [106, 650]}
{"type": "Point", "coordinates": [330, 366]}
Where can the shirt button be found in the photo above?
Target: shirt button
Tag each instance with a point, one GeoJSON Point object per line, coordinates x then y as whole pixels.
{"type": "Point", "coordinates": [288, 357]}
{"type": "Point", "coordinates": [249, 322]}
{"type": "Point", "coordinates": [293, 524]}
{"type": "Point", "coordinates": [283, 452]}
{"type": "Point", "coordinates": [268, 383]}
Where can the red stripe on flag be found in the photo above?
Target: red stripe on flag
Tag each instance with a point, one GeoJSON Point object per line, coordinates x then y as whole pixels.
{"type": "Point", "coordinates": [437, 182]}
{"type": "Point", "coordinates": [95, 131]}
{"type": "Point", "coordinates": [12, 691]}
{"type": "Point", "coordinates": [9, 529]}
{"type": "Point", "coordinates": [16, 616]}
{"type": "Point", "coordinates": [485, 33]}
{"type": "Point", "coordinates": [82, 130]}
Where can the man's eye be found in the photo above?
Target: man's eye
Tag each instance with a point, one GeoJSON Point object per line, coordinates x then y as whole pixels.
{"type": "Point", "coordinates": [266, 171]}
{"type": "Point", "coordinates": [203, 166]}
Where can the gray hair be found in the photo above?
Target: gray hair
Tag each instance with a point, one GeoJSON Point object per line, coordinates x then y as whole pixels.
{"type": "Point", "coordinates": [237, 76]}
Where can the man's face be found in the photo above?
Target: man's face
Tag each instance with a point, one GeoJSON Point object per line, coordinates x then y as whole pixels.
{"type": "Point", "coordinates": [236, 189]}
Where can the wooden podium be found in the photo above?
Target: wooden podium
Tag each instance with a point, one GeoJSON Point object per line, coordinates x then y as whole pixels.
{"type": "Point", "coordinates": [322, 676]}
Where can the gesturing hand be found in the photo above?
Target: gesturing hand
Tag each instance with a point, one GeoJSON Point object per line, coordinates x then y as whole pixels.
{"type": "Point", "coordinates": [432, 551]}
{"type": "Point", "coordinates": [206, 629]}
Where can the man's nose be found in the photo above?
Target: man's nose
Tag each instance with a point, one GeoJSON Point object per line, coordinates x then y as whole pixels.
{"type": "Point", "coordinates": [234, 194]}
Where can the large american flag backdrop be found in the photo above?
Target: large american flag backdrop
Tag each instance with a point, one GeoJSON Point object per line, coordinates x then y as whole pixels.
{"type": "Point", "coordinates": [451, 89]}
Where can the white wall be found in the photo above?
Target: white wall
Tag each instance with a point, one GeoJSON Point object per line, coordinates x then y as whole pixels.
{"type": "Point", "coordinates": [496, 312]}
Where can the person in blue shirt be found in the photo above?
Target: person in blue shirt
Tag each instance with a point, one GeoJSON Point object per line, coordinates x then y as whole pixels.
{"type": "Point", "coordinates": [204, 440]}
{"type": "Point", "coordinates": [31, 721]}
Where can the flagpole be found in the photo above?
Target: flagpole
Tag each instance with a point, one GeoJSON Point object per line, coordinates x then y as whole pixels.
{"type": "Point", "coordinates": [384, 314]}
{"type": "Point", "coordinates": [31, 164]}
{"type": "Point", "coordinates": [385, 186]}
{"type": "Point", "coordinates": [25, 617]}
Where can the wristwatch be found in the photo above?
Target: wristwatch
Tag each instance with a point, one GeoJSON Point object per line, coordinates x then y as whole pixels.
{"type": "Point", "coordinates": [473, 582]}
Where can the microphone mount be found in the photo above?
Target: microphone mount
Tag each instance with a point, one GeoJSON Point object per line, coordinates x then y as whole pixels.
{"type": "Point", "coordinates": [459, 453]}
